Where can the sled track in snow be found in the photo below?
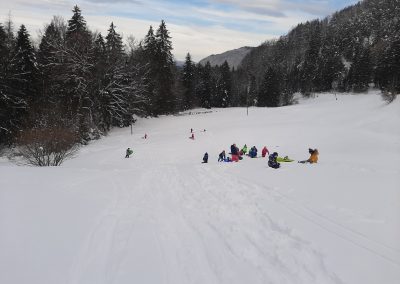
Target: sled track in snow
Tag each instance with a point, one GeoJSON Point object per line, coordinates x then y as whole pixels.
{"type": "Point", "coordinates": [269, 248]}
{"type": "Point", "coordinates": [390, 254]}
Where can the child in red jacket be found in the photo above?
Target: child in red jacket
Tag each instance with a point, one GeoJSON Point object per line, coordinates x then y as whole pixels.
{"type": "Point", "coordinates": [264, 151]}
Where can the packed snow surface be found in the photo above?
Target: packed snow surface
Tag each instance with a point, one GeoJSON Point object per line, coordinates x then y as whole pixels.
{"type": "Point", "coordinates": [162, 216]}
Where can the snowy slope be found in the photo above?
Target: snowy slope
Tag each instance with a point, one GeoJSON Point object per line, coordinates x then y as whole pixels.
{"type": "Point", "coordinates": [163, 217]}
{"type": "Point", "coordinates": [233, 57]}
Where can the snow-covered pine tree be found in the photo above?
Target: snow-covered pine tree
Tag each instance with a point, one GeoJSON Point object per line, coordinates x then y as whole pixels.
{"type": "Point", "coordinates": [114, 93]}
{"type": "Point", "coordinates": [204, 85]}
{"type": "Point", "coordinates": [50, 59]}
{"type": "Point", "coordinates": [225, 84]}
{"type": "Point", "coordinates": [77, 34]}
{"type": "Point", "coordinates": [270, 93]}
{"type": "Point", "coordinates": [149, 50]}
{"type": "Point", "coordinates": [360, 71]}
{"type": "Point", "coordinates": [78, 66]}
{"type": "Point", "coordinates": [330, 66]}
{"type": "Point", "coordinates": [120, 86]}
{"type": "Point", "coordinates": [164, 73]}
{"type": "Point", "coordinates": [10, 102]}
{"type": "Point", "coordinates": [309, 66]}
{"type": "Point", "coordinates": [17, 82]}
{"type": "Point", "coordinates": [25, 66]}
{"type": "Point", "coordinates": [114, 45]}
{"type": "Point", "coordinates": [252, 91]}
{"type": "Point", "coordinates": [387, 73]}
{"type": "Point", "coordinates": [188, 82]}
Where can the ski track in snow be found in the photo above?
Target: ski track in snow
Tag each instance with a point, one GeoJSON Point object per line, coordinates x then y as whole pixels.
{"type": "Point", "coordinates": [168, 219]}
{"type": "Point", "coordinates": [199, 216]}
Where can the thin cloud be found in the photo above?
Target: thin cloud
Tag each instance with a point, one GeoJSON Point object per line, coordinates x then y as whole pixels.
{"type": "Point", "coordinates": [201, 27]}
{"type": "Point", "coordinates": [278, 8]}
{"type": "Point", "coordinates": [116, 1]}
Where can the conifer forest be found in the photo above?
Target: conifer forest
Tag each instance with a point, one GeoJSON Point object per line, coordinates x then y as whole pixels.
{"type": "Point", "coordinates": [84, 83]}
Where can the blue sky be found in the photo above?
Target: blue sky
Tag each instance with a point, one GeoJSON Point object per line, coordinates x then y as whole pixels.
{"type": "Point", "coordinates": [201, 27]}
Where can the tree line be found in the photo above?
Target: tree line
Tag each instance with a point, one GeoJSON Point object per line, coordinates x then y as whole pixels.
{"type": "Point", "coordinates": [86, 83]}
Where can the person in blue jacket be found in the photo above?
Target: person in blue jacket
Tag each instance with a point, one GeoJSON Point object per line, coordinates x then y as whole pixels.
{"type": "Point", "coordinates": [253, 152]}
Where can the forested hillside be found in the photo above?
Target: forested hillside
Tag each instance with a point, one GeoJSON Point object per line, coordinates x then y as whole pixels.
{"type": "Point", "coordinates": [347, 51]}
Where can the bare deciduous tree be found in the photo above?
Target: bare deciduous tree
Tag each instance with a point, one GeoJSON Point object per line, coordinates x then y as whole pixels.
{"type": "Point", "coordinates": [47, 146]}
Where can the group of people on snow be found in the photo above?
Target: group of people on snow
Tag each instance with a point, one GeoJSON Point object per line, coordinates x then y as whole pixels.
{"type": "Point", "coordinates": [273, 160]}
{"type": "Point", "coordinates": [192, 133]}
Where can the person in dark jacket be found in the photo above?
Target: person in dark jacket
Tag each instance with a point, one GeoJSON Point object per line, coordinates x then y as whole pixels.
{"type": "Point", "coordinates": [235, 153]}
{"type": "Point", "coordinates": [128, 152]}
{"type": "Point", "coordinates": [272, 162]}
{"type": "Point", "coordinates": [234, 150]}
{"type": "Point", "coordinates": [205, 158]}
{"type": "Point", "coordinates": [222, 156]}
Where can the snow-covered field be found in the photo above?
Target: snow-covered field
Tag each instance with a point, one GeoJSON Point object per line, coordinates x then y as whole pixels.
{"type": "Point", "coordinates": [163, 217]}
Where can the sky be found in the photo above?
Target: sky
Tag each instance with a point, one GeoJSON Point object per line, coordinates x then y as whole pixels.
{"type": "Point", "coordinates": [200, 27]}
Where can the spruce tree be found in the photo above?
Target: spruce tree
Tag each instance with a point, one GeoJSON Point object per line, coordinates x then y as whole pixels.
{"type": "Point", "coordinates": [387, 74]}
{"type": "Point", "coordinates": [270, 93]}
{"type": "Point", "coordinates": [114, 45]}
{"type": "Point", "coordinates": [78, 66]}
{"type": "Point", "coordinates": [77, 34]}
{"type": "Point", "coordinates": [149, 51]}
{"type": "Point", "coordinates": [150, 46]}
{"type": "Point", "coordinates": [25, 65]}
{"type": "Point", "coordinates": [188, 82]}
{"type": "Point", "coordinates": [204, 86]}
{"type": "Point", "coordinates": [17, 80]}
{"type": "Point", "coordinates": [309, 68]}
{"type": "Point", "coordinates": [225, 85]}
{"type": "Point", "coordinates": [49, 58]}
{"type": "Point", "coordinates": [360, 71]}
{"type": "Point", "coordinates": [165, 78]}
{"type": "Point", "coordinates": [9, 102]}
{"type": "Point", "coordinates": [100, 115]}
{"type": "Point", "coordinates": [330, 66]}
{"type": "Point", "coordinates": [251, 91]}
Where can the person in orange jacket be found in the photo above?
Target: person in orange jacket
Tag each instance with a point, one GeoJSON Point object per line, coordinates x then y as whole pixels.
{"type": "Point", "coordinates": [313, 158]}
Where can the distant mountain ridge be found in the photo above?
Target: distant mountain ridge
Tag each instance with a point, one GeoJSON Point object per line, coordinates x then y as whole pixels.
{"type": "Point", "coordinates": [233, 57]}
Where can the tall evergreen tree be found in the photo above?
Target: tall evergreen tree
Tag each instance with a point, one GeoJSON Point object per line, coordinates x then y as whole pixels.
{"type": "Point", "coordinates": [387, 73]}
{"type": "Point", "coordinates": [270, 92]}
{"type": "Point", "coordinates": [223, 90]}
{"type": "Point", "coordinates": [204, 85]}
{"type": "Point", "coordinates": [188, 82]}
{"type": "Point", "coordinates": [17, 80]}
{"type": "Point", "coordinates": [10, 102]}
{"type": "Point", "coordinates": [77, 34]}
{"type": "Point", "coordinates": [164, 74]}
{"type": "Point", "coordinates": [25, 65]}
{"type": "Point", "coordinates": [114, 45]}
{"type": "Point", "coordinates": [309, 68]}
{"type": "Point", "coordinates": [49, 63]}
{"type": "Point", "coordinates": [78, 66]}
{"type": "Point", "coordinates": [330, 66]}
{"type": "Point", "coordinates": [251, 91]}
{"type": "Point", "coordinates": [360, 71]}
{"type": "Point", "coordinates": [148, 60]}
